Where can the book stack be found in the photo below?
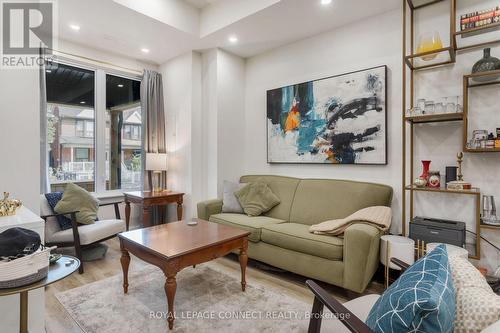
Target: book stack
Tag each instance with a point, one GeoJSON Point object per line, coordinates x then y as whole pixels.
{"type": "Point", "coordinates": [480, 18]}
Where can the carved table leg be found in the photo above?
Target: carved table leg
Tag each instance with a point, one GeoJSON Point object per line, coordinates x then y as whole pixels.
{"type": "Point", "coordinates": [127, 214]}
{"type": "Point", "coordinates": [243, 263]}
{"type": "Point", "coordinates": [170, 287]}
{"type": "Point", "coordinates": [179, 209]}
{"type": "Point", "coordinates": [145, 216]}
{"type": "Point", "coordinates": [125, 261]}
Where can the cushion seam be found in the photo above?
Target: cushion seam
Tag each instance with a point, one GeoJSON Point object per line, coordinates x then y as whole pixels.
{"type": "Point", "coordinates": [308, 239]}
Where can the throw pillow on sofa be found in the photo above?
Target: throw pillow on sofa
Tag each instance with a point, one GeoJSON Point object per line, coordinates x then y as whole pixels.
{"type": "Point", "coordinates": [230, 203]}
{"type": "Point", "coordinates": [477, 306]}
{"type": "Point", "coordinates": [256, 198]}
{"type": "Point", "coordinates": [421, 300]}
{"type": "Point", "coordinates": [76, 198]}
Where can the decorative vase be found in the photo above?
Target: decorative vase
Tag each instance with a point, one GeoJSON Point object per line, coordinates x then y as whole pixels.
{"type": "Point", "coordinates": [429, 42]}
{"type": "Point", "coordinates": [486, 64]}
{"type": "Point", "coordinates": [425, 171]}
{"type": "Point", "coordinates": [434, 179]}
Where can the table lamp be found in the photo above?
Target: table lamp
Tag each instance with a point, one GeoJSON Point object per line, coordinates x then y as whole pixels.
{"type": "Point", "coordinates": [157, 163]}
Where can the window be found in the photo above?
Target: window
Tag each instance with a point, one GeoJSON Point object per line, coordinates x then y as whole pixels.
{"type": "Point", "coordinates": [95, 145]}
{"type": "Point", "coordinates": [85, 128]}
{"type": "Point", "coordinates": [70, 125]}
{"type": "Point", "coordinates": [123, 133]}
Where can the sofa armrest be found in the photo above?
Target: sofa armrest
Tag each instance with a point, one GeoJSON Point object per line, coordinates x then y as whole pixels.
{"type": "Point", "coordinates": [209, 208]}
{"type": "Point", "coordinates": [361, 255]}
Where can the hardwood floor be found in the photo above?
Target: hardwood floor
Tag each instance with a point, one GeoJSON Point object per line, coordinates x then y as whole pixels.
{"type": "Point", "coordinates": [57, 320]}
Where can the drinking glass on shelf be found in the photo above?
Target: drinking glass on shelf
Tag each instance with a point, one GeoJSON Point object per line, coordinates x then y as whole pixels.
{"type": "Point", "coordinates": [439, 108]}
{"type": "Point", "coordinates": [459, 107]}
{"type": "Point", "coordinates": [429, 107]}
{"type": "Point", "coordinates": [421, 103]}
{"type": "Point", "coordinates": [450, 107]}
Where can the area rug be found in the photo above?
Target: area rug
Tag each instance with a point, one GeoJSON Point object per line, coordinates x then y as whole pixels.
{"type": "Point", "coordinates": [207, 300]}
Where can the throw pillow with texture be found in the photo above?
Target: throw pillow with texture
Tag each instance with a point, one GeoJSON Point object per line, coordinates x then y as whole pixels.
{"type": "Point", "coordinates": [53, 198]}
{"type": "Point", "coordinates": [256, 198]}
{"type": "Point", "coordinates": [229, 202]}
{"type": "Point", "coordinates": [76, 198]}
{"type": "Point", "coordinates": [421, 300]}
{"type": "Point", "coordinates": [477, 306]}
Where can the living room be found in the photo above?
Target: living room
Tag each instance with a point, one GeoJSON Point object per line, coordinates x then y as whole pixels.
{"type": "Point", "coordinates": [224, 165]}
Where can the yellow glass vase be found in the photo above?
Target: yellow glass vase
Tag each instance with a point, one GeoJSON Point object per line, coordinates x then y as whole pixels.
{"type": "Point", "coordinates": [429, 41]}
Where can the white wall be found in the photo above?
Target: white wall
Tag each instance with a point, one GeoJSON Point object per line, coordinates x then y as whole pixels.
{"type": "Point", "coordinates": [372, 42]}
{"type": "Point", "coordinates": [182, 92]}
{"type": "Point", "coordinates": [20, 135]}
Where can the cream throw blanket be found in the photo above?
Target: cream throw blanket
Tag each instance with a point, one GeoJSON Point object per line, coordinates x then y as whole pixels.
{"type": "Point", "coordinates": [378, 216]}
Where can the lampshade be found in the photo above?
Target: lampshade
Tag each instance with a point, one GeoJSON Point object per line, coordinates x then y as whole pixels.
{"type": "Point", "coordinates": [156, 162]}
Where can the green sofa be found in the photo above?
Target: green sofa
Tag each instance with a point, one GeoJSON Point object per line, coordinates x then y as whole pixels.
{"type": "Point", "coordinates": [281, 237]}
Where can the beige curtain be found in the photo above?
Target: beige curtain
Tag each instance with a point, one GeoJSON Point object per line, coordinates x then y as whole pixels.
{"type": "Point", "coordinates": [153, 127]}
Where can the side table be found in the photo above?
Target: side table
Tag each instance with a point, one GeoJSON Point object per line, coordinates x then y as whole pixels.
{"type": "Point", "coordinates": [149, 199]}
{"type": "Point", "coordinates": [399, 247]}
{"type": "Point", "coordinates": [57, 271]}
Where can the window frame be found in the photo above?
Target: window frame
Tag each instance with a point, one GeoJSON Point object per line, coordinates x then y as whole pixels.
{"type": "Point", "coordinates": [100, 72]}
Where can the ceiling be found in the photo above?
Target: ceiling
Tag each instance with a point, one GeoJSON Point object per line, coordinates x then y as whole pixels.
{"type": "Point", "coordinates": [200, 3]}
{"type": "Point", "coordinates": [260, 25]}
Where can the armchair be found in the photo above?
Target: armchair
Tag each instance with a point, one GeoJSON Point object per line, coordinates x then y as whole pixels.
{"type": "Point", "coordinates": [351, 314]}
{"type": "Point", "coordinates": [79, 236]}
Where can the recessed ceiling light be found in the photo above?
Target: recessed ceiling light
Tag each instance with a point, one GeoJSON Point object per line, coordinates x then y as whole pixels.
{"type": "Point", "coordinates": [74, 27]}
{"type": "Point", "coordinates": [233, 39]}
{"type": "Point", "coordinates": [120, 86]}
{"type": "Point", "coordinates": [326, 2]}
{"type": "Point", "coordinates": [82, 102]}
{"type": "Point", "coordinates": [144, 50]}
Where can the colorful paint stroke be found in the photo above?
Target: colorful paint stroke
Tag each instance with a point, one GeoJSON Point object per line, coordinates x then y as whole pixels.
{"type": "Point", "coordinates": [337, 120]}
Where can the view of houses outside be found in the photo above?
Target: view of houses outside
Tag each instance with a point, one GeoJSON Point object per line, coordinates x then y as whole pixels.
{"type": "Point", "coordinates": [71, 131]}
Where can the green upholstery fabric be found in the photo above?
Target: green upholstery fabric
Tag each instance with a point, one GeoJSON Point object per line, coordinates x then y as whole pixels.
{"type": "Point", "coordinates": [75, 198]}
{"type": "Point", "coordinates": [319, 200]}
{"type": "Point", "coordinates": [251, 224]}
{"type": "Point", "coordinates": [283, 187]}
{"type": "Point", "coordinates": [209, 208]}
{"type": "Point", "coordinates": [256, 198]}
{"type": "Point", "coordinates": [286, 243]}
{"type": "Point", "coordinates": [361, 255]}
{"type": "Point", "coordinates": [314, 267]}
{"type": "Point", "coordinates": [296, 237]}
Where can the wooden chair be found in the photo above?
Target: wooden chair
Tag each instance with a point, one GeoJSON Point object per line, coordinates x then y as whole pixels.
{"type": "Point", "coordinates": [79, 236]}
{"type": "Point", "coordinates": [351, 315]}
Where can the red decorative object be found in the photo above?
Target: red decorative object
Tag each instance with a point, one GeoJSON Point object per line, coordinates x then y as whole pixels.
{"type": "Point", "coordinates": [425, 172]}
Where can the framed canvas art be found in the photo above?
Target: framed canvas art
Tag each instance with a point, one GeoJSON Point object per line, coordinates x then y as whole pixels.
{"type": "Point", "coordinates": [336, 120]}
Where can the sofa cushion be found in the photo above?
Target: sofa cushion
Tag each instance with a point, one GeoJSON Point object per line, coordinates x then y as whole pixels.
{"type": "Point", "coordinates": [248, 223]}
{"type": "Point", "coordinates": [422, 299]}
{"type": "Point", "coordinates": [477, 305]}
{"type": "Point", "coordinates": [296, 237]}
{"type": "Point", "coordinates": [319, 200]}
{"type": "Point", "coordinates": [230, 202]}
{"type": "Point", "coordinates": [89, 233]}
{"type": "Point", "coordinates": [256, 198]}
{"type": "Point", "coordinates": [283, 187]}
{"type": "Point", "coordinates": [78, 199]}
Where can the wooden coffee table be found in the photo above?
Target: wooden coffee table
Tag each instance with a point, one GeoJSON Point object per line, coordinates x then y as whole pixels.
{"type": "Point", "coordinates": [177, 245]}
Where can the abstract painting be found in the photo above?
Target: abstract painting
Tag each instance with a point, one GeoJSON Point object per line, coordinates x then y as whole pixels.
{"type": "Point", "coordinates": [336, 120]}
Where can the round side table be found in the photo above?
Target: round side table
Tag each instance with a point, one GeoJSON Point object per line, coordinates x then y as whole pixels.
{"type": "Point", "coordinates": [57, 271]}
{"type": "Point", "coordinates": [392, 246]}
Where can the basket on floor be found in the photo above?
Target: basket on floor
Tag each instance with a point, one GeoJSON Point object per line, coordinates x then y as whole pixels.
{"type": "Point", "coordinates": [25, 270]}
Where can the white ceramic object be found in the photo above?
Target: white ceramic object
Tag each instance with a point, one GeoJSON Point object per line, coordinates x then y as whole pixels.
{"type": "Point", "coordinates": [402, 248]}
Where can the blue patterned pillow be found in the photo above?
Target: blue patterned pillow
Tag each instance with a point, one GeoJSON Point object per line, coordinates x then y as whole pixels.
{"type": "Point", "coordinates": [421, 300]}
{"type": "Point", "coordinates": [53, 198]}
